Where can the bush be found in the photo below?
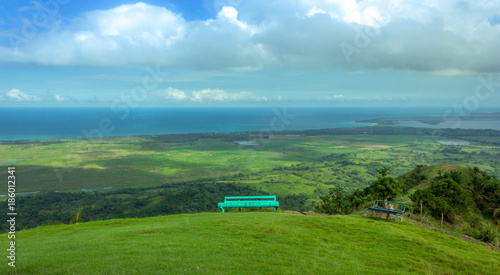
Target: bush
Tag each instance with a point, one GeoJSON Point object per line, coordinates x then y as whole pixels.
{"type": "Point", "coordinates": [486, 232]}
{"type": "Point", "coordinates": [443, 196]}
{"type": "Point", "coordinates": [336, 202]}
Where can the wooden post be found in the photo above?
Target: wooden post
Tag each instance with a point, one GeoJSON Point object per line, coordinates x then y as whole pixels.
{"type": "Point", "coordinates": [441, 221]}
{"type": "Point", "coordinates": [420, 211]}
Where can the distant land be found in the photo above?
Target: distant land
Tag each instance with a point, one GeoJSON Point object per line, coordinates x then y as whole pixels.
{"type": "Point", "coordinates": [466, 121]}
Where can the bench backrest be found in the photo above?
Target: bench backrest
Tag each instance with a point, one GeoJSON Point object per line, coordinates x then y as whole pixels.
{"type": "Point", "coordinates": [250, 198]}
{"type": "Point", "coordinates": [401, 204]}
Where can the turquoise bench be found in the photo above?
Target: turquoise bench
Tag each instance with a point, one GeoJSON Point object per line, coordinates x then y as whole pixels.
{"type": "Point", "coordinates": [391, 211]}
{"type": "Point", "coordinates": [249, 201]}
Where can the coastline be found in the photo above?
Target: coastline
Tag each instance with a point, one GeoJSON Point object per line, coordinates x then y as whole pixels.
{"type": "Point", "coordinates": [293, 121]}
{"type": "Point", "coordinates": [490, 121]}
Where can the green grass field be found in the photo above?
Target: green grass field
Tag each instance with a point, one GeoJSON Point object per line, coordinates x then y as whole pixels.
{"type": "Point", "coordinates": [248, 243]}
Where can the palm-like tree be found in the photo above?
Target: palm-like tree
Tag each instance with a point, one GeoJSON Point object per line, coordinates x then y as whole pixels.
{"type": "Point", "coordinates": [494, 205]}
{"type": "Point", "coordinates": [477, 189]}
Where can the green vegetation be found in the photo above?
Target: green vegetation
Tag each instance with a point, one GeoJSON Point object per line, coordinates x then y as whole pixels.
{"type": "Point", "coordinates": [260, 243]}
{"type": "Point", "coordinates": [335, 171]}
{"type": "Point", "coordinates": [336, 202]}
{"type": "Point", "coordinates": [285, 163]}
{"type": "Point", "coordinates": [171, 174]}
{"type": "Point", "coordinates": [468, 199]}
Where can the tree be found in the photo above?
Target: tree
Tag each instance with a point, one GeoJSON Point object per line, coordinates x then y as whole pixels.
{"type": "Point", "coordinates": [385, 188]}
{"type": "Point", "coordinates": [443, 196]}
{"type": "Point", "coordinates": [384, 171]}
{"type": "Point", "coordinates": [477, 189]}
{"type": "Point", "coordinates": [77, 218]}
{"type": "Point", "coordinates": [494, 205]}
{"type": "Point", "coordinates": [336, 202]}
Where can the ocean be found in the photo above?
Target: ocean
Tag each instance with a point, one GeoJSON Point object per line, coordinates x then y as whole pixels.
{"type": "Point", "coordinates": [63, 123]}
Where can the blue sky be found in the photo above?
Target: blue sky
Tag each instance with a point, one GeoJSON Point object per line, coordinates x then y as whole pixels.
{"type": "Point", "coordinates": [250, 53]}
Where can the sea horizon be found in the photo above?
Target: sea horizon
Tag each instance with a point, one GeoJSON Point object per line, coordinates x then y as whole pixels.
{"type": "Point", "coordinates": [30, 123]}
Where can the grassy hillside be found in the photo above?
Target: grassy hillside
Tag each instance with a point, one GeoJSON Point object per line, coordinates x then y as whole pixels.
{"type": "Point", "coordinates": [250, 242]}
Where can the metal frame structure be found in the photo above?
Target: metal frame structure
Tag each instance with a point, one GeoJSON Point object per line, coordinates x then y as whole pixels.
{"type": "Point", "coordinates": [395, 212]}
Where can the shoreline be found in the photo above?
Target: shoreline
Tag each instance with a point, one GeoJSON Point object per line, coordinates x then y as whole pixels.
{"type": "Point", "coordinates": [7, 141]}
{"type": "Point", "coordinates": [410, 122]}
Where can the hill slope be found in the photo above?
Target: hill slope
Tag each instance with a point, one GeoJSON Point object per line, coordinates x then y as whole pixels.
{"type": "Point", "coordinates": [249, 242]}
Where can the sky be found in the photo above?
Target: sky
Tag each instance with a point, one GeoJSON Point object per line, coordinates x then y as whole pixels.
{"type": "Point", "coordinates": [203, 53]}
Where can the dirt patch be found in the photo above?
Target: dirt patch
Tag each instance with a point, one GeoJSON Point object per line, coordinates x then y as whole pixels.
{"type": "Point", "coordinates": [370, 145]}
{"type": "Point", "coordinates": [296, 212]}
{"type": "Point", "coordinates": [93, 166]}
{"type": "Point", "coordinates": [147, 233]}
{"type": "Point", "coordinates": [449, 167]}
{"type": "Point", "coordinates": [375, 146]}
{"type": "Point", "coordinates": [324, 141]}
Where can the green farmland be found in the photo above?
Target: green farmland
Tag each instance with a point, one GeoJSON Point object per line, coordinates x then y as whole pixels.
{"type": "Point", "coordinates": [283, 164]}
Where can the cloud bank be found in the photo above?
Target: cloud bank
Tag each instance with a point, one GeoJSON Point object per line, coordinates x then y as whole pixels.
{"type": "Point", "coordinates": [15, 95]}
{"type": "Point", "coordinates": [442, 37]}
{"type": "Point", "coordinates": [208, 95]}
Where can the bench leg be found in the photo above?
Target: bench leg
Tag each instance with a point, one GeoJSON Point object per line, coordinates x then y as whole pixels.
{"type": "Point", "coordinates": [222, 210]}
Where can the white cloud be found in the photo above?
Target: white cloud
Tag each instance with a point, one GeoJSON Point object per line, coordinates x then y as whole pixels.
{"type": "Point", "coordinates": [418, 35]}
{"type": "Point", "coordinates": [231, 14]}
{"type": "Point", "coordinates": [208, 95]}
{"type": "Point", "coordinates": [17, 95]}
{"type": "Point", "coordinates": [312, 11]}
{"type": "Point", "coordinates": [59, 98]}
{"type": "Point", "coordinates": [228, 12]}
{"type": "Point", "coordinates": [336, 97]}
{"type": "Point", "coordinates": [175, 94]}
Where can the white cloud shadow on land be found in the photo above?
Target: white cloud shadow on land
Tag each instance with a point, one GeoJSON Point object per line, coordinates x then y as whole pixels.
{"type": "Point", "coordinates": [442, 37]}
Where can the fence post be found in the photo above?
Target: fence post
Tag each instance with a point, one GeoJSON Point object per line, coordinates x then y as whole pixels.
{"type": "Point", "coordinates": [420, 211]}
{"type": "Point", "coordinates": [441, 221]}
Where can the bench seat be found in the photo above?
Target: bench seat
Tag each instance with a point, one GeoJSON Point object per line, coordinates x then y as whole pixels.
{"type": "Point", "coordinates": [376, 208]}
{"type": "Point", "coordinates": [249, 201]}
